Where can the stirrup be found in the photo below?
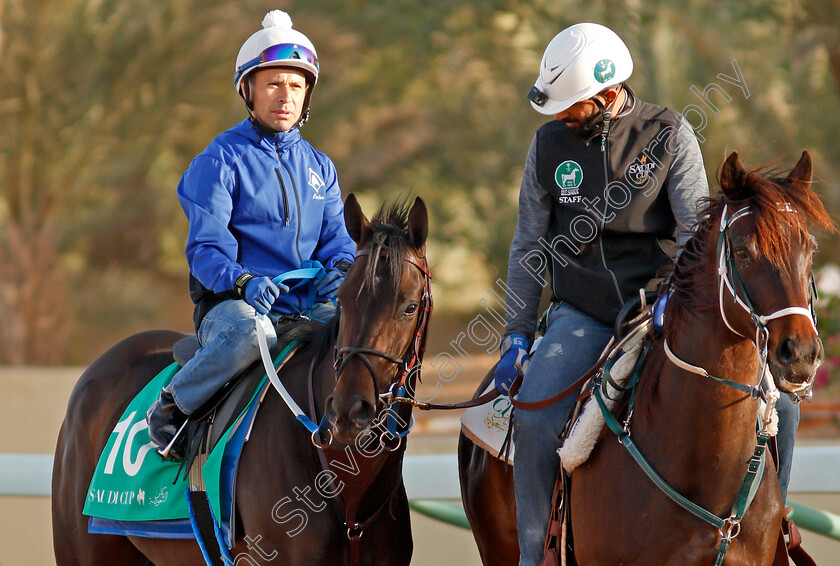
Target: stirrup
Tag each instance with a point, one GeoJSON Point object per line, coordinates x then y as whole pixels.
{"type": "Point", "coordinates": [165, 451]}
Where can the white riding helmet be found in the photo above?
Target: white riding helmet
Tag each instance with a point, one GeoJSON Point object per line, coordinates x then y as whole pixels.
{"type": "Point", "coordinates": [581, 61]}
{"type": "Point", "coordinates": [276, 45]}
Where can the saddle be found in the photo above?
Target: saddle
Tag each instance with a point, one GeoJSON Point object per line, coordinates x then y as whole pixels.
{"type": "Point", "coordinates": [225, 405]}
{"type": "Point", "coordinates": [206, 425]}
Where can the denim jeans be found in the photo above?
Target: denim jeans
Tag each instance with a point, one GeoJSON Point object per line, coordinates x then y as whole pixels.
{"type": "Point", "coordinates": [788, 423]}
{"type": "Point", "coordinates": [228, 337]}
{"type": "Point", "coordinates": [572, 343]}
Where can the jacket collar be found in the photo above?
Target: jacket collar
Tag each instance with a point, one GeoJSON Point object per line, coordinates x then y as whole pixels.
{"type": "Point", "coordinates": [252, 130]}
{"type": "Point", "coordinates": [627, 108]}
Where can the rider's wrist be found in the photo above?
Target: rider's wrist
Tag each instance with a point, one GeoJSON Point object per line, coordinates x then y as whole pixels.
{"type": "Point", "coordinates": [342, 265]}
{"type": "Point", "coordinates": [239, 284]}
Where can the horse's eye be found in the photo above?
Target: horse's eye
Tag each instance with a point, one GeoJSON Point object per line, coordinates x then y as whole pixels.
{"type": "Point", "coordinates": [411, 309]}
{"type": "Point", "coordinates": [742, 255]}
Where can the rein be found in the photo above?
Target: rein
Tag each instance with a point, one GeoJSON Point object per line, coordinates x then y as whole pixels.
{"type": "Point", "coordinates": [409, 363]}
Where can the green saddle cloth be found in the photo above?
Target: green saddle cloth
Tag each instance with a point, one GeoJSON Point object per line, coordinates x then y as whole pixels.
{"type": "Point", "coordinates": [133, 483]}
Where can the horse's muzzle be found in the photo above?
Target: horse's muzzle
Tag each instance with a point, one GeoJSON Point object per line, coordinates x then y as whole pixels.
{"type": "Point", "coordinates": [794, 362]}
{"type": "Point", "coordinates": [349, 417]}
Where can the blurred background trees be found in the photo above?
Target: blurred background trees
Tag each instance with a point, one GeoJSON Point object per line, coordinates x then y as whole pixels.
{"type": "Point", "coordinates": [103, 104]}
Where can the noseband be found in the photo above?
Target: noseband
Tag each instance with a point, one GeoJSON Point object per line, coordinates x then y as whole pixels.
{"type": "Point", "coordinates": [411, 360]}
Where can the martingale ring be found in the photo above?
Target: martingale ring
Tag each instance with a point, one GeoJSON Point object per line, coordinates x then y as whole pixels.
{"type": "Point", "coordinates": [383, 444]}
{"type": "Point", "coordinates": [321, 446]}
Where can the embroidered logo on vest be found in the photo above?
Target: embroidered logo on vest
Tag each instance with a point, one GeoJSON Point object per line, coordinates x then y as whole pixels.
{"type": "Point", "coordinates": [640, 170]}
{"type": "Point", "coordinates": [604, 70]}
{"type": "Point", "coordinates": [569, 176]}
{"type": "Point", "coordinates": [317, 184]}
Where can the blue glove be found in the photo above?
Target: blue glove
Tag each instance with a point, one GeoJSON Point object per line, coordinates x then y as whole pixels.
{"type": "Point", "coordinates": [515, 359]}
{"type": "Point", "coordinates": [261, 292]}
{"type": "Point", "coordinates": [326, 287]}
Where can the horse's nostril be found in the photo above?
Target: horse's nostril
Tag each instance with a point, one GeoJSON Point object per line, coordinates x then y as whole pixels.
{"type": "Point", "coordinates": [791, 351]}
{"type": "Point", "coordinates": [362, 413]}
{"type": "Point", "coordinates": [330, 409]}
{"type": "Point", "coordinates": [787, 351]}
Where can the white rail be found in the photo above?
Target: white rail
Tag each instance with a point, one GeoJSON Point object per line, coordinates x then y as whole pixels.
{"type": "Point", "coordinates": [429, 477]}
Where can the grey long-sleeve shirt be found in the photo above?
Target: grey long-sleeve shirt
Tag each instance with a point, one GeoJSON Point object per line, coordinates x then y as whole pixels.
{"type": "Point", "coordinates": [687, 184]}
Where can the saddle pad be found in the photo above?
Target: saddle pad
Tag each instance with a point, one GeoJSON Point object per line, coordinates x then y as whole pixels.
{"type": "Point", "coordinates": [132, 483]}
{"type": "Point", "coordinates": [487, 425]}
{"type": "Point", "coordinates": [220, 494]}
{"type": "Point", "coordinates": [587, 428]}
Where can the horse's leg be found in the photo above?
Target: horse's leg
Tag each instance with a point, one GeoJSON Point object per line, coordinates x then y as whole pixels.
{"type": "Point", "coordinates": [487, 491]}
{"type": "Point", "coordinates": [73, 545]}
{"type": "Point", "coordinates": [162, 552]}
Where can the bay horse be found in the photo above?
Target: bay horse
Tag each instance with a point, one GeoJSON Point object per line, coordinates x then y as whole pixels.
{"type": "Point", "coordinates": [355, 360]}
{"type": "Point", "coordinates": [697, 433]}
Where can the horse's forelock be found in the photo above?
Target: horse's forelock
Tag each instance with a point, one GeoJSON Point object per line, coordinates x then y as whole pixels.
{"type": "Point", "coordinates": [782, 211]}
{"type": "Point", "coordinates": [389, 231]}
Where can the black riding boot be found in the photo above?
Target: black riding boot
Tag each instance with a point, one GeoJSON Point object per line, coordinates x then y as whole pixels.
{"type": "Point", "coordinates": [165, 420]}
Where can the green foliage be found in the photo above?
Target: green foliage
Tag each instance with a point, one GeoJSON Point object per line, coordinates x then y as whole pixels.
{"type": "Point", "coordinates": [104, 103]}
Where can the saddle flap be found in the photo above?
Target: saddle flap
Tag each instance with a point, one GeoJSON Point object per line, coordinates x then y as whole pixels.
{"type": "Point", "coordinates": [184, 349]}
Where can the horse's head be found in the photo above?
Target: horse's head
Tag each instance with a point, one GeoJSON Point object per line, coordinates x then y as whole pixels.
{"type": "Point", "coordinates": [384, 306]}
{"type": "Point", "coordinates": [764, 258]}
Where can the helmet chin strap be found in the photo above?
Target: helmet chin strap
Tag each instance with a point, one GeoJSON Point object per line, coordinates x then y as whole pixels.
{"type": "Point", "coordinates": [607, 121]}
{"type": "Point", "coordinates": [607, 114]}
{"type": "Point", "coordinates": [246, 94]}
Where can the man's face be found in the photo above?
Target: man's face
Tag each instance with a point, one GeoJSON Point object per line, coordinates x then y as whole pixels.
{"type": "Point", "coordinates": [277, 95]}
{"type": "Point", "coordinates": [583, 118]}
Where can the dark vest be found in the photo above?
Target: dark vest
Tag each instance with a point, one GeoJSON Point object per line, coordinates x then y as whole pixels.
{"type": "Point", "coordinates": [611, 208]}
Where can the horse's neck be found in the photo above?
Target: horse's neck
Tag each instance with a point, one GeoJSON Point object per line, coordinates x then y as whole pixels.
{"type": "Point", "coordinates": [708, 423]}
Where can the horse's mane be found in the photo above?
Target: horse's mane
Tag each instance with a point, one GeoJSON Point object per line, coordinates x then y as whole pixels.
{"type": "Point", "coordinates": [782, 211]}
{"type": "Point", "coordinates": [387, 230]}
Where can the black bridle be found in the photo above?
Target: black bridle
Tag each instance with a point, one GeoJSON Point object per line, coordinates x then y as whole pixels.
{"type": "Point", "coordinates": [411, 361]}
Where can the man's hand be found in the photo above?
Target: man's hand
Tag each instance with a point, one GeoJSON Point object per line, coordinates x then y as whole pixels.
{"type": "Point", "coordinates": [327, 286]}
{"type": "Point", "coordinates": [514, 352]}
{"type": "Point", "coordinates": [261, 292]}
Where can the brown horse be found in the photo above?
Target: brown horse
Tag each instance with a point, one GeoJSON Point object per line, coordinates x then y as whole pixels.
{"type": "Point", "coordinates": [384, 305]}
{"type": "Point", "coordinates": [695, 432]}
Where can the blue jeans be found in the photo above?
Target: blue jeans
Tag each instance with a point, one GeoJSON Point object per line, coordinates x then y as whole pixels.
{"type": "Point", "coordinates": [228, 337]}
{"type": "Point", "coordinates": [571, 345]}
{"type": "Point", "coordinates": [788, 423]}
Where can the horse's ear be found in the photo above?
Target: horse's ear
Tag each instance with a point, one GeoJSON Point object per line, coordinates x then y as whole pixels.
{"type": "Point", "coordinates": [418, 224]}
{"type": "Point", "coordinates": [801, 172]}
{"type": "Point", "coordinates": [732, 174]}
{"type": "Point", "coordinates": [356, 221]}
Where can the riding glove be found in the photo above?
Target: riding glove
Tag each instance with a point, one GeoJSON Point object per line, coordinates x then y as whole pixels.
{"type": "Point", "coordinates": [261, 292]}
{"type": "Point", "coordinates": [514, 352]}
{"type": "Point", "coordinates": [327, 286]}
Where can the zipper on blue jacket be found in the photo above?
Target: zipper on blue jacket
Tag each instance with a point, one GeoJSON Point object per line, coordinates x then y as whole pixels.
{"type": "Point", "coordinates": [285, 198]}
{"type": "Point", "coordinates": [285, 202]}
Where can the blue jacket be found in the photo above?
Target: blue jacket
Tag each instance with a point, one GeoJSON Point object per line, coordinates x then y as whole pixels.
{"type": "Point", "coordinates": [259, 204]}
